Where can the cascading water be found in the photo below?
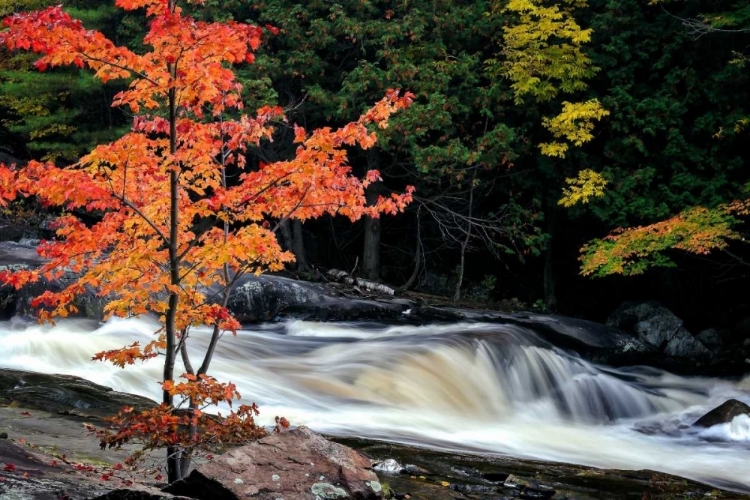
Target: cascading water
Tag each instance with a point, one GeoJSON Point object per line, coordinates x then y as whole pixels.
{"type": "Point", "coordinates": [462, 387]}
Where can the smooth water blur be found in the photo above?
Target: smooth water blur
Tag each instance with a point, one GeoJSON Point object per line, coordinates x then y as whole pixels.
{"type": "Point", "coordinates": [461, 387]}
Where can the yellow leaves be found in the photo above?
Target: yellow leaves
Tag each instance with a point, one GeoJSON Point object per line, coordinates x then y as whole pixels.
{"type": "Point", "coordinates": [581, 189]}
{"type": "Point", "coordinates": [554, 149]}
{"type": "Point", "coordinates": [544, 46]}
{"type": "Point", "coordinates": [55, 129]}
{"type": "Point", "coordinates": [575, 123]}
{"type": "Point", "coordinates": [544, 56]}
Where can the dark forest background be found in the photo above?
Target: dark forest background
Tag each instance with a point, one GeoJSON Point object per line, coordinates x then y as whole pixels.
{"type": "Point", "coordinates": [672, 76]}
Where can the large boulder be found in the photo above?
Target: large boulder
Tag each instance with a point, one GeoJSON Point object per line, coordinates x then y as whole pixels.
{"type": "Point", "coordinates": [723, 413]}
{"type": "Point", "coordinates": [658, 327]}
{"type": "Point", "coordinates": [261, 298]}
{"type": "Point", "coordinates": [65, 394]}
{"type": "Point", "coordinates": [265, 297]}
{"type": "Point", "coordinates": [294, 465]}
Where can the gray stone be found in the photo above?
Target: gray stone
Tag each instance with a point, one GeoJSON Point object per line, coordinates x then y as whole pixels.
{"type": "Point", "coordinates": [389, 466]}
{"type": "Point", "coordinates": [261, 298]}
{"type": "Point", "coordinates": [658, 330]}
{"type": "Point", "coordinates": [723, 413]}
{"type": "Point", "coordinates": [253, 298]}
{"type": "Point", "coordinates": [712, 338]}
{"type": "Point", "coordinates": [658, 327]}
{"type": "Point", "coordinates": [66, 394]}
{"type": "Point", "coordinates": [684, 345]}
{"type": "Point", "coordinates": [650, 321]}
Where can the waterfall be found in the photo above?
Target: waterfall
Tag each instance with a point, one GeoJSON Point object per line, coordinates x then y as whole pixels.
{"type": "Point", "coordinates": [486, 388]}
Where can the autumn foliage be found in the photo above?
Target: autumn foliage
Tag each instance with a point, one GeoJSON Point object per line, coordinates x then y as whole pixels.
{"type": "Point", "coordinates": [631, 251]}
{"type": "Point", "coordinates": [171, 235]}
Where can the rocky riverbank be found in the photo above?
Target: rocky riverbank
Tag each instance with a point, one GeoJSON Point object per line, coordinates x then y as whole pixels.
{"type": "Point", "coordinates": [47, 452]}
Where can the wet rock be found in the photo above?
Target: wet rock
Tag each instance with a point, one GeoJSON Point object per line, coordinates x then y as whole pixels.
{"type": "Point", "coordinates": [65, 394]}
{"type": "Point", "coordinates": [529, 489]}
{"type": "Point", "coordinates": [415, 470]}
{"type": "Point", "coordinates": [594, 341]}
{"type": "Point", "coordinates": [723, 413]}
{"type": "Point", "coordinates": [712, 338]}
{"type": "Point", "coordinates": [352, 309]}
{"type": "Point", "coordinates": [474, 488]}
{"type": "Point", "coordinates": [683, 345]}
{"type": "Point", "coordinates": [389, 466]}
{"type": "Point", "coordinates": [262, 298]}
{"type": "Point", "coordinates": [265, 297]}
{"type": "Point", "coordinates": [652, 322]}
{"type": "Point", "coordinates": [494, 477]}
{"type": "Point", "coordinates": [294, 465]}
{"type": "Point", "coordinates": [253, 298]}
{"type": "Point", "coordinates": [658, 327]}
{"type": "Point", "coordinates": [23, 255]}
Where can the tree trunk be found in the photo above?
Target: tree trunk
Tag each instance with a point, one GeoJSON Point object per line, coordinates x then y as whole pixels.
{"type": "Point", "coordinates": [417, 258]}
{"type": "Point", "coordinates": [465, 243]}
{"type": "Point", "coordinates": [298, 246]}
{"type": "Point", "coordinates": [174, 453]}
{"type": "Point", "coordinates": [550, 297]}
{"type": "Point", "coordinates": [285, 228]}
{"type": "Point", "coordinates": [371, 251]}
{"type": "Point", "coordinates": [293, 241]}
{"type": "Point", "coordinates": [457, 293]}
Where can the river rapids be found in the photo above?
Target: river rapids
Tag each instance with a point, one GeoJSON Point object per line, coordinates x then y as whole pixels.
{"type": "Point", "coordinates": [465, 387]}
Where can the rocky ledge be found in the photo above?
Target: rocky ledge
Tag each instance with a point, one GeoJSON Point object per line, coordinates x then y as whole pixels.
{"type": "Point", "coordinates": [47, 455]}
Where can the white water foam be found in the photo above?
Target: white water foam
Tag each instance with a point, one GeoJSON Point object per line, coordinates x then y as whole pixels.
{"type": "Point", "coordinates": [464, 387]}
{"type": "Point", "coordinates": [736, 430]}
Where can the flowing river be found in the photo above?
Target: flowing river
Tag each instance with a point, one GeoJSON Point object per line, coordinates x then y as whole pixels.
{"type": "Point", "coordinates": [476, 387]}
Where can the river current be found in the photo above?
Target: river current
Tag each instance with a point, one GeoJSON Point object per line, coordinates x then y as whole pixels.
{"type": "Point", "coordinates": [472, 387]}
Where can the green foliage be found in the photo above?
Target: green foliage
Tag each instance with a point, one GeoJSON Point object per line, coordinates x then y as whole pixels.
{"type": "Point", "coordinates": [333, 58]}
{"type": "Point", "coordinates": [59, 115]}
{"type": "Point", "coordinates": [675, 141]}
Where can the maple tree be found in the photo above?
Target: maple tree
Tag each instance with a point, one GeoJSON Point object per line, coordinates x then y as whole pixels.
{"type": "Point", "coordinates": [147, 251]}
{"type": "Point", "coordinates": [631, 251]}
